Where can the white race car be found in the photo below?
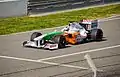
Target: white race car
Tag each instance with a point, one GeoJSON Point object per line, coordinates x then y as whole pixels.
{"type": "Point", "coordinates": [75, 32]}
{"type": "Point", "coordinates": [82, 31]}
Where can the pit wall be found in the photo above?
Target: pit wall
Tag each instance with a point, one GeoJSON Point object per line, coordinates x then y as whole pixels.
{"type": "Point", "coordinates": [10, 8]}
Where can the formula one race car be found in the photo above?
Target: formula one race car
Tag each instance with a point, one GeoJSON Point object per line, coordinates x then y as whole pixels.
{"type": "Point", "coordinates": [85, 30]}
{"type": "Point", "coordinates": [74, 33]}
{"type": "Point", "coordinates": [53, 40]}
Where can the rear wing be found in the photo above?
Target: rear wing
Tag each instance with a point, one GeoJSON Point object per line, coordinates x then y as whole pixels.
{"type": "Point", "coordinates": [89, 24]}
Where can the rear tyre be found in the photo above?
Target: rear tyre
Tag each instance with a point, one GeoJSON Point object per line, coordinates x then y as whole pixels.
{"type": "Point", "coordinates": [34, 35]}
{"type": "Point", "coordinates": [97, 34]}
{"type": "Point", "coordinates": [60, 40]}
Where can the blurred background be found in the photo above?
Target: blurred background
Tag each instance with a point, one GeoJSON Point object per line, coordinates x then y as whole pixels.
{"type": "Point", "coordinates": [43, 6]}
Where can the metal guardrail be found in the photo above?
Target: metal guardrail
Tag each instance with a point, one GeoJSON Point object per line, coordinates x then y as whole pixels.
{"type": "Point", "coordinates": [42, 6]}
{"type": "Point", "coordinates": [44, 2]}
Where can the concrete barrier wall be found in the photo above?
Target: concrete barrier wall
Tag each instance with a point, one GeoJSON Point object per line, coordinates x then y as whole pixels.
{"type": "Point", "coordinates": [9, 8]}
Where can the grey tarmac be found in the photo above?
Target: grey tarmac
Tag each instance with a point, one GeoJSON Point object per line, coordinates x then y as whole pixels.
{"type": "Point", "coordinates": [107, 60]}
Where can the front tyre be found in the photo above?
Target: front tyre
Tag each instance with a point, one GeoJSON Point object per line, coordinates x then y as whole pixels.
{"type": "Point", "coordinates": [25, 42]}
{"type": "Point", "coordinates": [34, 35]}
{"type": "Point", "coordinates": [60, 40]}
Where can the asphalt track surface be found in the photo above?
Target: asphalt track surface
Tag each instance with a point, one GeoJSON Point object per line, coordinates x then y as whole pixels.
{"type": "Point", "coordinates": [17, 61]}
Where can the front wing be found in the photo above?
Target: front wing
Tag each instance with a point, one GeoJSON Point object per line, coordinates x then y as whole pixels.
{"type": "Point", "coordinates": [45, 46]}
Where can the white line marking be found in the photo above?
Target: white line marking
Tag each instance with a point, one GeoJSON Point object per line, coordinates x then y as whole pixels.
{"type": "Point", "coordinates": [90, 62]}
{"type": "Point", "coordinates": [65, 65]}
{"type": "Point", "coordinates": [15, 58]}
{"type": "Point", "coordinates": [87, 51]}
{"type": "Point", "coordinates": [50, 63]}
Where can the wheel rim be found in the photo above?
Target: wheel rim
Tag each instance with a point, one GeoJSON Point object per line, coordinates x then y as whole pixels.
{"type": "Point", "coordinates": [63, 41]}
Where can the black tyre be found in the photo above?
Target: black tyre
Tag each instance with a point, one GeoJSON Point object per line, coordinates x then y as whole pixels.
{"type": "Point", "coordinates": [25, 42]}
{"type": "Point", "coordinates": [60, 40]}
{"type": "Point", "coordinates": [97, 34]}
{"type": "Point", "coordinates": [34, 35]}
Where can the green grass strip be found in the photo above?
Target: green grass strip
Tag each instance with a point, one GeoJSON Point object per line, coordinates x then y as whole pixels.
{"type": "Point", "coordinates": [21, 24]}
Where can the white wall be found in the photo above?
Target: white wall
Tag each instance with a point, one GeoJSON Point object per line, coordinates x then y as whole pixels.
{"type": "Point", "coordinates": [9, 8]}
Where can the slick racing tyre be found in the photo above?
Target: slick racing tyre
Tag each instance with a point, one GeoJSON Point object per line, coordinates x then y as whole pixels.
{"type": "Point", "coordinates": [97, 34]}
{"type": "Point", "coordinates": [34, 35]}
{"type": "Point", "coordinates": [60, 40]}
